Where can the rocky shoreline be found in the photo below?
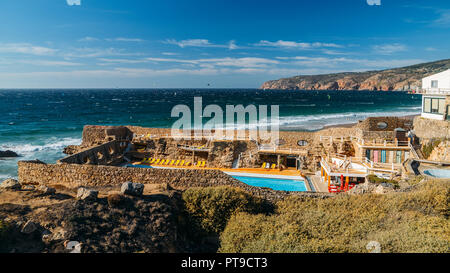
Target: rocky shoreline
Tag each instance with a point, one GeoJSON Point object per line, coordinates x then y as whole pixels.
{"type": "Point", "coordinates": [8, 154]}
{"type": "Point", "coordinates": [50, 220]}
{"type": "Point", "coordinates": [398, 79]}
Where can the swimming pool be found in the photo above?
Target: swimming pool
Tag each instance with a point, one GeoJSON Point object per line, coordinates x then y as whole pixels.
{"type": "Point", "coordinates": [438, 173]}
{"type": "Point", "coordinates": [273, 183]}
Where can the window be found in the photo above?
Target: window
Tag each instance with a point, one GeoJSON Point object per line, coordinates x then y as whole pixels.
{"type": "Point", "coordinates": [382, 125]}
{"type": "Point", "coordinates": [434, 105]}
{"type": "Point", "coordinates": [434, 84]}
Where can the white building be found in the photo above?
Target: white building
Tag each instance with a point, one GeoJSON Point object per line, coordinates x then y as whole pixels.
{"type": "Point", "coordinates": [436, 98]}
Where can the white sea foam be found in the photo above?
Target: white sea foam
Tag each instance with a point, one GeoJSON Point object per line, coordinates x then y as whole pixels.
{"type": "Point", "coordinates": [56, 144]}
{"type": "Point", "coordinates": [319, 121]}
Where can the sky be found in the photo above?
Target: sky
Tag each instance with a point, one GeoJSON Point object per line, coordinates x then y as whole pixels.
{"type": "Point", "coordinates": [211, 43]}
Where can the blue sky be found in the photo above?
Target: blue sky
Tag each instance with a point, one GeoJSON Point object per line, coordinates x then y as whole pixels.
{"type": "Point", "coordinates": [223, 43]}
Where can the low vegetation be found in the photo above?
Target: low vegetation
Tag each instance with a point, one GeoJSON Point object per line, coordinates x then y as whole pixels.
{"type": "Point", "coordinates": [415, 221]}
{"type": "Point", "coordinates": [428, 148]}
{"type": "Point", "coordinates": [212, 207]}
{"type": "Point", "coordinates": [377, 180]}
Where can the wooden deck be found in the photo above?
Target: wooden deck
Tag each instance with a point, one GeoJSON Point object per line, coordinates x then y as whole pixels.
{"type": "Point", "coordinates": [288, 172]}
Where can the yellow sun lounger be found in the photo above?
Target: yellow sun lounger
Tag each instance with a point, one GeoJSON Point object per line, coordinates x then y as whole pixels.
{"type": "Point", "coordinates": [153, 160]}
{"type": "Point", "coordinates": [177, 162]}
{"type": "Point", "coordinates": [202, 164]}
{"type": "Point", "coordinates": [273, 166]}
{"type": "Point", "coordinates": [172, 162]}
{"type": "Point", "coordinates": [182, 163]}
{"type": "Point", "coordinates": [167, 162]}
{"type": "Point", "coordinates": [263, 166]}
{"type": "Point", "coordinates": [157, 161]}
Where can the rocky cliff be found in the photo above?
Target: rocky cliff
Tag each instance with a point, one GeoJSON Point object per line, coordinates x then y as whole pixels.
{"type": "Point", "coordinates": [397, 79]}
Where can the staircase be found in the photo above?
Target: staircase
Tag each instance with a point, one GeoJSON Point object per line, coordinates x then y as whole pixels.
{"type": "Point", "coordinates": [235, 164]}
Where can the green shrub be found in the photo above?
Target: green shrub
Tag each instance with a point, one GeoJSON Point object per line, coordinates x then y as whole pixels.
{"type": "Point", "coordinates": [414, 221]}
{"type": "Point", "coordinates": [428, 148]}
{"type": "Point", "coordinates": [377, 180]}
{"type": "Point", "coordinates": [212, 207]}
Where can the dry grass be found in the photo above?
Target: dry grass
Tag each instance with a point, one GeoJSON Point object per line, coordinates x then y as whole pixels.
{"type": "Point", "coordinates": [212, 207]}
{"type": "Point", "coordinates": [415, 221]}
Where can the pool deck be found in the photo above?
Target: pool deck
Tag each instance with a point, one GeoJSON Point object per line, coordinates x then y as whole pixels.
{"type": "Point", "coordinates": [318, 185]}
{"type": "Point", "coordinates": [284, 173]}
{"type": "Point", "coordinates": [263, 173]}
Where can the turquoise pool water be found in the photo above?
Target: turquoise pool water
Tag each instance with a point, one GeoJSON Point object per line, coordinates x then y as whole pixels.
{"type": "Point", "coordinates": [273, 183]}
{"type": "Point", "coordinates": [139, 166]}
{"type": "Point", "coordinates": [438, 173]}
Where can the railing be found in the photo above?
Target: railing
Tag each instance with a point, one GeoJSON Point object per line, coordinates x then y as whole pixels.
{"type": "Point", "coordinates": [365, 162]}
{"type": "Point", "coordinates": [275, 149]}
{"type": "Point", "coordinates": [413, 150]}
{"type": "Point", "coordinates": [436, 91]}
{"type": "Point", "coordinates": [209, 137]}
{"type": "Point", "coordinates": [383, 143]}
{"type": "Point", "coordinates": [363, 142]}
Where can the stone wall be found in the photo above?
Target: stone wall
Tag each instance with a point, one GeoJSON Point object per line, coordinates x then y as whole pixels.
{"type": "Point", "coordinates": [74, 175]}
{"type": "Point", "coordinates": [371, 123]}
{"type": "Point", "coordinates": [98, 155]}
{"type": "Point", "coordinates": [94, 135]}
{"type": "Point", "coordinates": [429, 128]}
{"type": "Point", "coordinates": [441, 153]}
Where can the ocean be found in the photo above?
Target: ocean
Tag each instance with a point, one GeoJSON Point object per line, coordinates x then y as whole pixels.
{"type": "Point", "coordinates": [38, 124]}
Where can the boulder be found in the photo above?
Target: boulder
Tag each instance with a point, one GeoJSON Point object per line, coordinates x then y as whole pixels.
{"type": "Point", "coordinates": [58, 234]}
{"type": "Point", "coordinates": [383, 188]}
{"type": "Point", "coordinates": [362, 188]}
{"type": "Point", "coordinates": [135, 189]}
{"type": "Point", "coordinates": [29, 227]}
{"type": "Point", "coordinates": [115, 199]}
{"type": "Point", "coordinates": [87, 194]}
{"type": "Point", "coordinates": [10, 184]}
{"type": "Point", "coordinates": [28, 187]}
{"type": "Point", "coordinates": [8, 154]}
{"type": "Point", "coordinates": [47, 190]}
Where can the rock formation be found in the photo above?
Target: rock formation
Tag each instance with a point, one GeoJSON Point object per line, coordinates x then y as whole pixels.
{"type": "Point", "coordinates": [397, 79]}
{"type": "Point", "coordinates": [8, 154]}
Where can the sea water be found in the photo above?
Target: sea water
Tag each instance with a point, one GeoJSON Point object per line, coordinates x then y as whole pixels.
{"type": "Point", "coordinates": [38, 124]}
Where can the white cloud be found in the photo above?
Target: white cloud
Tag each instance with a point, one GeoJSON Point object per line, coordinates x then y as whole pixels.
{"type": "Point", "coordinates": [121, 39]}
{"type": "Point", "coordinates": [388, 49]}
{"type": "Point", "coordinates": [443, 19]}
{"type": "Point", "coordinates": [342, 63]}
{"type": "Point", "coordinates": [88, 39]}
{"type": "Point", "coordinates": [121, 61]}
{"type": "Point", "coordinates": [73, 2]}
{"type": "Point", "coordinates": [234, 62]}
{"type": "Point", "coordinates": [48, 63]}
{"type": "Point", "coordinates": [295, 45]}
{"type": "Point", "coordinates": [87, 52]}
{"type": "Point", "coordinates": [190, 42]}
{"type": "Point", "coordinates": [231, 45]}
{"type": "Point", "coordinates": [25, 48]}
